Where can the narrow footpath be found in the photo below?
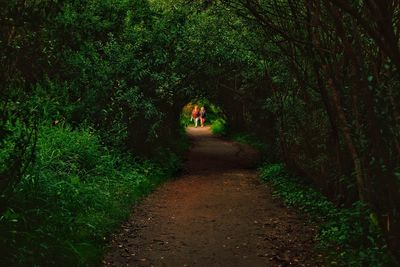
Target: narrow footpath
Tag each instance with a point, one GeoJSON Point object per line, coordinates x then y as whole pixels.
{"type": "Point", "coordinates": [216, 214]}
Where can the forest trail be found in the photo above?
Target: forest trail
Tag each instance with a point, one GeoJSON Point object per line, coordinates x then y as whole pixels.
{"type": "Point", "coordinates": [216, 214]}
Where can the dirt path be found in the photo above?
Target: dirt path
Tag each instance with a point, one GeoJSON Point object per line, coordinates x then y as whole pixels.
{"type": "Point", "coordinates": [216, 214]}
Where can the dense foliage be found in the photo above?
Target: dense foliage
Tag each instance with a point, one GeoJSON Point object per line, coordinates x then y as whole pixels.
{"type": "Point", "coordinates": [348, 236]}
{"type": "Point", "coordinates": [74, 196]}
{"type": "Point", "coordinates": [82, 101]}
{"type": "Point", "coordinates": [314, 80]}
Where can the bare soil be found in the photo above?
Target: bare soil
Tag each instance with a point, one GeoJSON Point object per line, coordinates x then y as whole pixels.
{"type": "Point", "coordinates": [216, 214]}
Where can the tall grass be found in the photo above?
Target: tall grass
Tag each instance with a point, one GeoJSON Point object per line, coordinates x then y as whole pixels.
{"type": "Point", "coordinates": [73, 197]}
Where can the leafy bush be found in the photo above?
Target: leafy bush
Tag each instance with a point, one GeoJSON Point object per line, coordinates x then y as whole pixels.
{"type": "Point", "coordinates": [219, 127]}
{"type": "Point", "coordinates": [350, 237]}
{"type": "Point", "coordinates": [75, 195]}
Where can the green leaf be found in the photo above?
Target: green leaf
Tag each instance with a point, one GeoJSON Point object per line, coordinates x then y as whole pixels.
{"type": "Point", "coordinates": [75, 180]}
{"type": "Point", "coordinates": [374, 218]}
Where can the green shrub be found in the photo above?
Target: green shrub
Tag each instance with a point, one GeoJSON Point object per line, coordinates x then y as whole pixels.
{"type": "Point", "coordinates": [219, 127]}
{"type": "Point", "coordinates": [349, 237]}
{"type": "Point", "coordinates": [75, 195]}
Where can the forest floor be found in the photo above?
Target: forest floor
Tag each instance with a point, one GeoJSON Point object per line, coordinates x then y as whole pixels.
{"type": "Point", "coordinates": [217, 213]}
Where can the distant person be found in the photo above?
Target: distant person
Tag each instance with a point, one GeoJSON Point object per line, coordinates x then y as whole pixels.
{"type": "Point", "coordinates": [196, 115]}
{"type": "Point", "coordinates": [203, 115]}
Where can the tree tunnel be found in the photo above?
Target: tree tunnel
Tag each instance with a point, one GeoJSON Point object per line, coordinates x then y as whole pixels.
{"type": "Point", "coordinates": [316, 81]}
{"type": "Point", "coordinates": [322, 98]}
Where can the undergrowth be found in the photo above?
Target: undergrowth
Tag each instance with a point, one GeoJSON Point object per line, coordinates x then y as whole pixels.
{"type": "Point", "coordinates": [219, 126]}
{"type": "Point", "coordinates": [72, 198]}
{"type": "Point", "coordinates": [348, 236]}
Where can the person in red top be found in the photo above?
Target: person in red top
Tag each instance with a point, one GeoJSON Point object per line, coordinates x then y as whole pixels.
{"type": "Point", "coordinates": [203, 115]}
{"type": "Point", "coordinates": [196, 115]}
